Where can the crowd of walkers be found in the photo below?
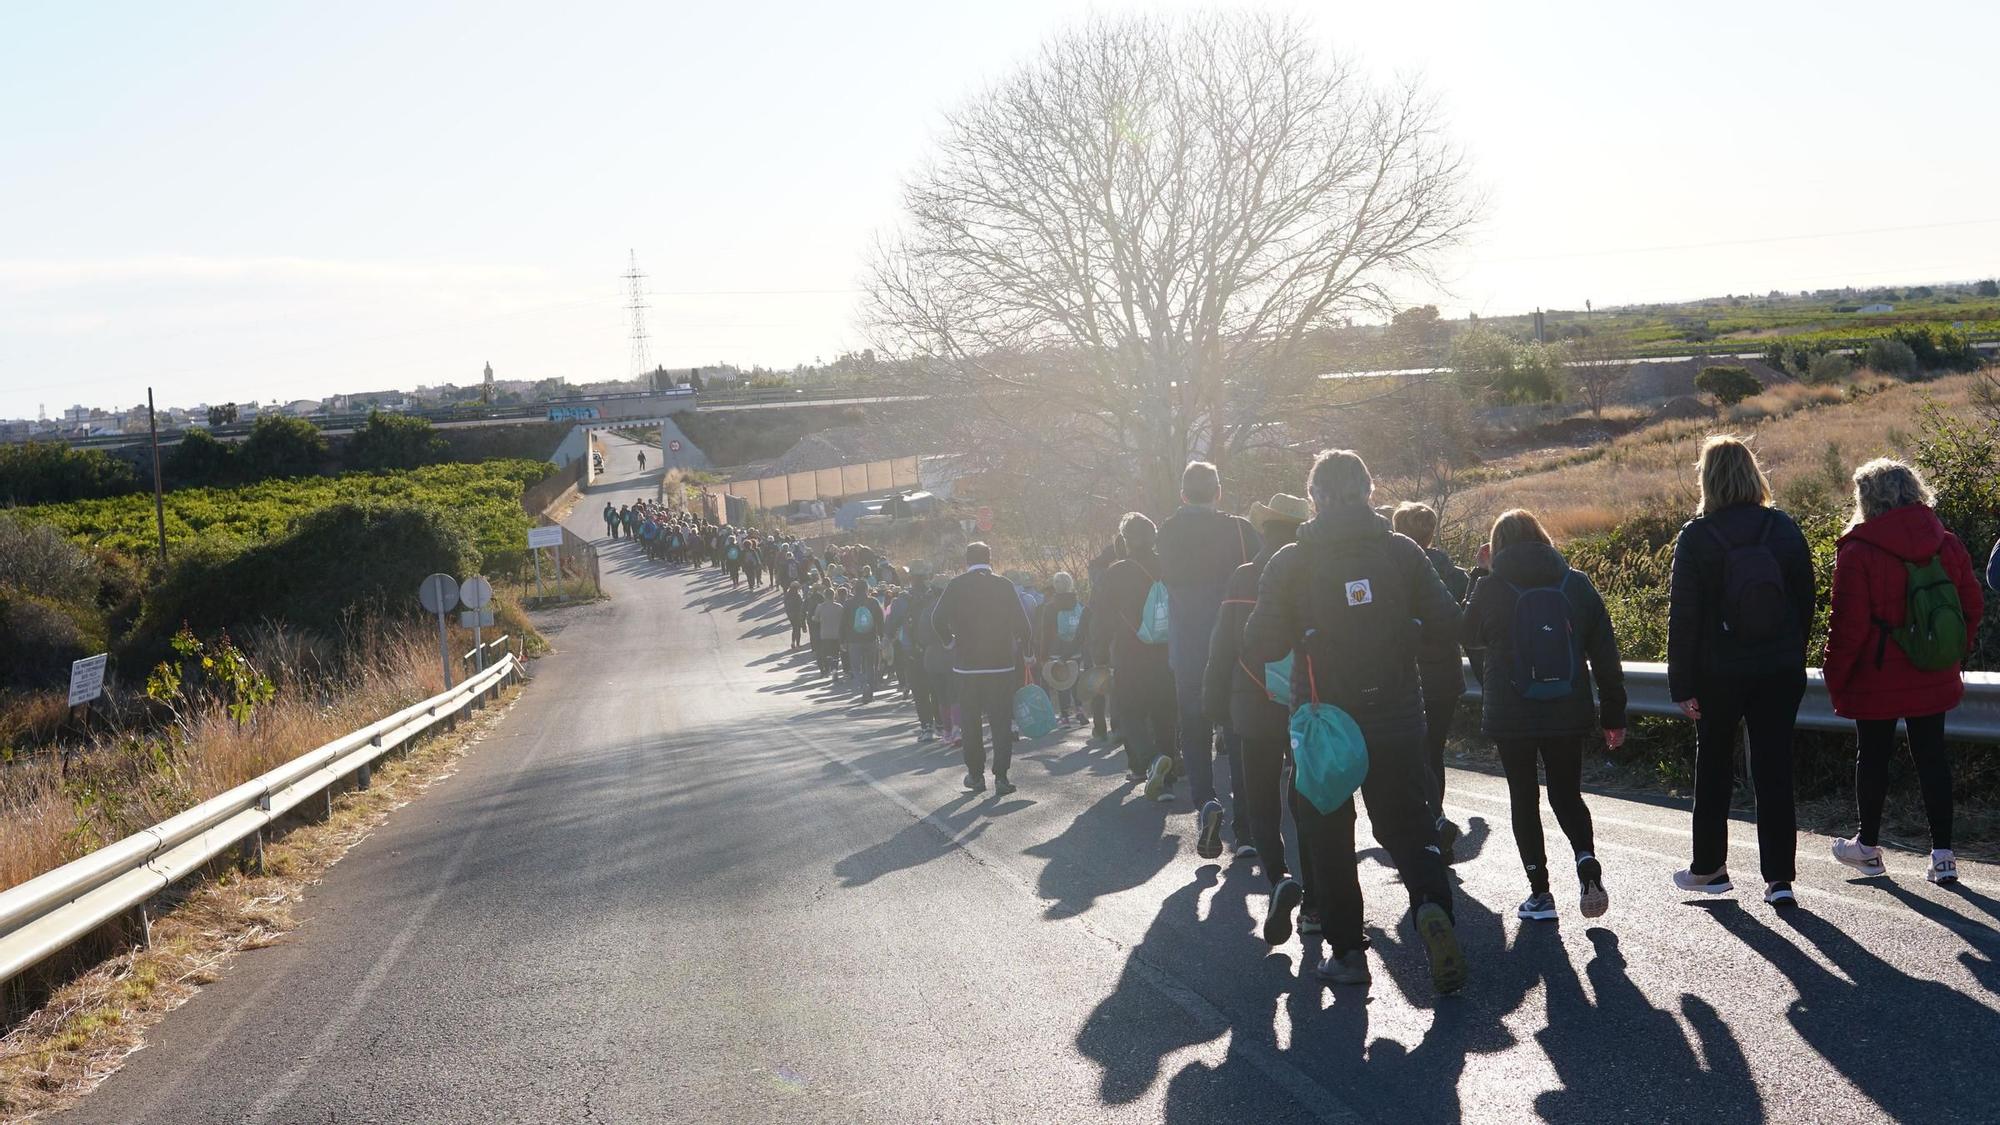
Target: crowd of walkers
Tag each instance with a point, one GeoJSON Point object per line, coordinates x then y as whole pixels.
{"type": "Point", "coordinates": [1308, 654]}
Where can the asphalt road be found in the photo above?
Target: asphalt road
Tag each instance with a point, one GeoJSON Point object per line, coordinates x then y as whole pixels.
{"type": "Point", "coordinates": [684, 882]}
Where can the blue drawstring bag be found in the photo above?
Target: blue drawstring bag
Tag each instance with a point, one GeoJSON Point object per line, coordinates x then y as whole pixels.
{"type": "Point", "coordinates": [1329, 755]}
{"type": "Point", "coordinates": [1152, 628]}
{"type": "Point", "coordinates": [1034, 714]}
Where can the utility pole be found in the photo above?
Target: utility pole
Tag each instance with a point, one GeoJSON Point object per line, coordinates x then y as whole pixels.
{"type": "Point", "coordinates": [159, 493]}
{"type": "Point", "coordinates": [635, 304]}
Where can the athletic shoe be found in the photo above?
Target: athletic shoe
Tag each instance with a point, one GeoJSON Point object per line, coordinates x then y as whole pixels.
{"type": "Point", "coordinates": [1308, 921]}
{"type": "Point", "coordinates": [975, 784]}
{"type": "Point", "coordinates": [1285, 898]}
{"type": "Point", "coordinates": [1346, 968]}
{"type": "Point", "coordinates": [1715, 884]}
{"type": "Point", "coordinates": [1208, 844]}
{"type": "Point", "coordinates": [1859, 856]}
{"type": "Point", "coordinates": [1135, 775]}
{"type": "Point", "coordinates": [1537, 907]}
{"type": "Point", "coordinates": [1157, 779]}
{"type": "Point", "coordinates": [1448, 835]}
{"type": "Point", "coordinates": [1246, 851]}
{"type": "Point", "coordinates": [1448, 969]}
{"type": "Point", "coordinates": [924, 734]}
{"type": "Point", "coordinates": [1780, 894]}
{"type": "Point", "coordinates": [1944, 867]}
{"type": "Point", "coordinates": [1590, 876]}
{"type": "Point", "coordinates": [1001, 786]}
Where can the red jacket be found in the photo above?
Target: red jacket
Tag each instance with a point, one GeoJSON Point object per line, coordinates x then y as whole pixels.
{"type": "Point", "coordinates": [1869, 585]}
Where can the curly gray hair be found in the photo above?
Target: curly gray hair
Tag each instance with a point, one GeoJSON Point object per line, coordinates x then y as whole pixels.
{"type": "Point", "coordinates": [1883, 485]}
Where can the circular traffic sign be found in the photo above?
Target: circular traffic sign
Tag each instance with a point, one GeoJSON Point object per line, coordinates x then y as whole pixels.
{"type": "Point", "coordinates": [439, 593]}
{"type": "Point", "coordinates": [475, 592]}
{"type": "Point", "coordinates": [673, 447]}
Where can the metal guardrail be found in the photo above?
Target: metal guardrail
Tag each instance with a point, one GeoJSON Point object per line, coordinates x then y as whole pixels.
{"type": "Point", "coordinates": [478, 655]}
{"type": "Point", "coordinates": [1976, 719]}
{"type": "Point", "coordinates": [54, 910]}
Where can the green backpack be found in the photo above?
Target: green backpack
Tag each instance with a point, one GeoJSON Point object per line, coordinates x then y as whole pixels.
{"type": "Point", "coordinates": [1933, 631]}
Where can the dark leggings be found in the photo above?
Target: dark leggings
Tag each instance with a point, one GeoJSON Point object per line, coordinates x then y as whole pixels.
{"type": "Point", "coordinates": [1563, 758]}
{"type": "Point", "coordinates": [1263, 795]}
{"type": "Point", "coordinates": [1871, 774]}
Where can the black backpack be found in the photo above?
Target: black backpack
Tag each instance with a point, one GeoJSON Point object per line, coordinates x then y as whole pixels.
{"type": "Point", "coordinates": [1755, 609]}
{"type": "Point", "coordinates": [1362, 643]}
{"type": "Point", "coordinates": [1545, 643]}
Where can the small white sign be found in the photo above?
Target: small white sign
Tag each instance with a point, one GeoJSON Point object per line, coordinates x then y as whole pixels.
{"type": "Point", "coordinates": [86, 678]}
{"type": "Point", "coordinates": [475, 592]}
{"type": "Point", "coordinates": [550, 536]}
{"type": "Point", "coordinates": [439, 593]}
{"type": "Point", "coordinates": [475, 618]}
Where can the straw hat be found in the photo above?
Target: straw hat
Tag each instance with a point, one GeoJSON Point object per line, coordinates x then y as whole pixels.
{"type": "Point", "coordinates": [1283, 506]}
{"type": "Point", "coordinates": [1060, 675]}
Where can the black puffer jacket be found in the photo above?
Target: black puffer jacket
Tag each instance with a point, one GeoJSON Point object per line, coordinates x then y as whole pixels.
{"type": "Point", "coordinates": [1361, 602]}
{"type": "Point", "coordinates": [1489, 622]}
{"type": "Point", "coordinates": [980, 616]}
{"type": "Point", "coordinates": [1698, 649]}
{"type": "Point", "coordinates": [1233, 692]}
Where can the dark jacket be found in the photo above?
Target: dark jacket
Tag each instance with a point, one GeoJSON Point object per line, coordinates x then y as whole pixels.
{"type": "Point", "coordinates": [1993, 568]}
{"type": "Point", "coordinates": [1489, 621]}
{"type": "Point", "coordinates": [1049, 644]}
{"type": "Point", "coordinates": [1199, 549]}
{"type": "Point", "coordinates": [980, 616]}
{"type": "Point", "coordinates": [855, 602]}
{"type": "Point", "coordinates": [795, 606]}
{"type": "Point", "coordinates": [1370, 600]}
{"type": "Point", "coordinates": [1868, 675]}
{"type": "Point", "coordinates": [1233, 692]}
{"type": "Point", "coordinates": [1138, 667]}
{"type": "Point", "coordinates": [1698, 649]}
{"type": "Point", "coordinates": [1098, 627]}
{"type": "Point", "coordinates": [1443, 670]}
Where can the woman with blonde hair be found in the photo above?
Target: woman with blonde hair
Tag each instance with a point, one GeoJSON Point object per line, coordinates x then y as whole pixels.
{"type": "Point", "coordinates": [1739, 608]}
{"type": "Point", "coordinates": [1905, 608]}
{"type": "Point", "coordinates": [1547, 637]}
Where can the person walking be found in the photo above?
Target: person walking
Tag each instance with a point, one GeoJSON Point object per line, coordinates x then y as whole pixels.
{"type": "Point", "coordinates": [1906, 606]}
{"type": "Point", "coordinates": [795, 611]}
{"type": "Point", "coordinates": [861, 632]}
{"type": "Point", "coordinates": [1142, 679]}
{"type": "Point", "coordinates": [919, 642]}
{"type": "Point", "coordinates": [1239, 694]}
{"type": "Point", "coordinates": [980, 616]}
{"type": "Point", "coordinates": [1059, 636]}
{"type": "Point", "coordinates": [1357, 603]}
{"type": "Point", "coordinates": [1739, 606]}
{"type": "Point", "coordinates": [642, 460]}
{"type": "Point", "coordinates": [610, 519]}
{"type": "Point", "coordinates": [1547, 637]}
{"type": "Point", "coordinates": [1200, 547]}
{"type": "Point", "coordinates": [1442, 673]}
{"type": "Point", "coordinates": [1098, 631]}
{"type": "Point", "coordinates": [831, 612]}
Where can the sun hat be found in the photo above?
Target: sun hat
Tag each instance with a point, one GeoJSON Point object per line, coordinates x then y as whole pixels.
{"type": "Point", "coordinates": [1060, 675]}
{"type": "Point", "coordinates": [1282, 507]}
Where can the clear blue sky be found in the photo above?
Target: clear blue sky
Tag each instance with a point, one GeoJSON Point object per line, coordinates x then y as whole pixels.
{"type": "Point", "coordinates": [269, 201]}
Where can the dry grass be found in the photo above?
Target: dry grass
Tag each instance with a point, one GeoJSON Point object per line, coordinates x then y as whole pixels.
{"type": "Point", "coordinates": [1652, 470]}
{"type": "Point", "coordinates": [90, 1025]}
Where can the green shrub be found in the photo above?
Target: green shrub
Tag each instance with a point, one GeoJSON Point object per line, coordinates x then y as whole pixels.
{"type": "Point", "coordinates": [1830, 367]}
{"type": "Point", "coordinates": [40, 636]}
{"type": "Point", "coordinates": [1937, 348]}
{"type": "Point", "coordinates": [1728, 385]}
{"type": "Point", "coordinates": [201, 458]}
{"type": "Point", "coordinates": [395, 441]}
{"type": "Point", "coordinates": [282, 446]}
{"type": "Point", "coordinates": [45, 472]}
{"type": "Point", "coordinates": [1891, 357]}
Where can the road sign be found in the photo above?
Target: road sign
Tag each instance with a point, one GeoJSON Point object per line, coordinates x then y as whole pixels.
{"type": "Point", "coordinates": [86, 678]}
{"type": "Point", "coordinates": [474, 618]}
{"type": "Point", "coordinates": [475, 592]}
{"type": "Point", "coordinates": [986, 519]}
{"type": "Point", "coordinates": [439, 593]}
{"type": "Point", "coordinates": [673, 447]}
{"type": "Point", "coordinates": [539, 537]}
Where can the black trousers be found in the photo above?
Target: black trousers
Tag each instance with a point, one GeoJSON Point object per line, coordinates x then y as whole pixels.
{"type": "Point", "coordinates": [1562, 756]}
{"type": "Point", "coordinates": [1443, 684]}
{"type": "Point", "coordinates": [988, 696]}
{"type": "Point", "coordinates": [1769, 707]}
{"type": "Point", "coordinates": [1150, 721]}
{"type": "Point", "coordinates": [1401, 817]}
{"type": "Point", "coordinates": [1871, 774]}
{"type": "Point", "coordinates": [1264, 786]}
{"type": "Point", "coordinates": [919, 683]}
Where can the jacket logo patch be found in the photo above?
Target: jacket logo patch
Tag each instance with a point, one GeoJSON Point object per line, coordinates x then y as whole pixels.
{"type": "Point", "coordinates": [1359, 592]}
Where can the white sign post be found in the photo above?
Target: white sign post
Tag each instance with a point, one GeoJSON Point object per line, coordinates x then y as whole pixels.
{"type": "Point", "coordinates": [439, 594]}
{"type": "Point", "coordinates": [86, 679]}
{"type": "Point", "coordinates": [539, 537]}
{"type": "Point", "coordinates": [474, 593]}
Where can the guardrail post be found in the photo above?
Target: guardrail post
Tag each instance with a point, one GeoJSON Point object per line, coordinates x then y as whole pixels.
{"type": "Point", "coordinates": [364, 776]}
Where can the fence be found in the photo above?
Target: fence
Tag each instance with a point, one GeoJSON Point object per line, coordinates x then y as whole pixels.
{"type": "Point", "coordinates": [576, 559]}
{"type": "Point", "coordinates": [827, 484]}
{"type": "Point", "coordinates": [56, 909]}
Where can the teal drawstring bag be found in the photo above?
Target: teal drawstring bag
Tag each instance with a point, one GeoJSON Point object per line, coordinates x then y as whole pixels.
{"type": "Point", "coordinates": [1329, 756]}
{"type": "Point", "coordinates": [1034, 713]}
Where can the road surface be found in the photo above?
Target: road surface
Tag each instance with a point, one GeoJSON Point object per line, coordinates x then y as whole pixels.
{"type": "Point", "coordinates": [684, 882]}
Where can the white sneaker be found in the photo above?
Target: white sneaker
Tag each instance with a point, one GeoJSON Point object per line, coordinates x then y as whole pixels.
{"type": "Point", "coordinates": [1715, 884]}
{"type": "Point", "coordinates": [1859, 856]}
{"type": "Point", "coordinates": [1944, 868]}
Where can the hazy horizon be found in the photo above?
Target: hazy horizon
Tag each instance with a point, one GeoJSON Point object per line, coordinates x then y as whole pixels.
{"type": "Point", "coordinates": [234, 205]}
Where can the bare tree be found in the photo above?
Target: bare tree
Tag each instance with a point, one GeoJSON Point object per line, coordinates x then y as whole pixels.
{"type": "Point", "coordinates": [1139, 228]}
{"type": "Point", "coordinates": [1597, 366]}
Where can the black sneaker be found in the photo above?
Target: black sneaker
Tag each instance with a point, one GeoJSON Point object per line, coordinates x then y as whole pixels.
{"type": "Point", "coordinates": [1448, 835]}
{"type": "Point", "coordinates": [1285, 898]}
{"type": "Point", "coordinates": [1001, 786]}
{"type": "Point", "coordinates": [1780, 894]}
{"type": "Point", "coordinates": [1595, 900]}
{"type": "Point", "coordinates": [1209, 844]}
{"type": "Point", "coordinates": [975, 784]}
